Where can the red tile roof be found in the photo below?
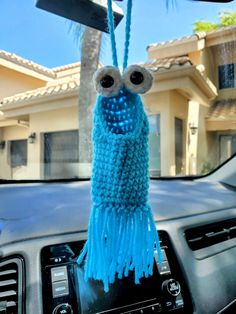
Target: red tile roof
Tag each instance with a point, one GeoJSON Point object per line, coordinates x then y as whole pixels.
{"type": "Point", "coordinates": [222, 110]}
{"type": "Point", "coordinates": [167, 63]}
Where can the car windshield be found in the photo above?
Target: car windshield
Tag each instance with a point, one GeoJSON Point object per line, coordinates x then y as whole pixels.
{"type": "Point", "coordinates": [47, 96]}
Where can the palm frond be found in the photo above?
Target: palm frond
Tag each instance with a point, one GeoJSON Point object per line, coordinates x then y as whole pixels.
{"type": "Point", "coordinates": [170, 4]}
{"type": "Point", "coordinates": [76, 30]}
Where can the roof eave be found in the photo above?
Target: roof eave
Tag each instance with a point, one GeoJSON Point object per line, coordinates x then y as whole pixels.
{"type": "Point", "coordinates": [187, 78]}
{"type": "Point", "coordinates": [221, 36]}
{"type": "Point", "coordinates": [192, 43]}
{"type": "Point", "coordinates": [216, 125]}
{"type": "Point", "coordinates": [26, 70]}
{"type": "Point", "coordinates": [176, 48]}
{"type": "Point", "coordinates": [6, 107]}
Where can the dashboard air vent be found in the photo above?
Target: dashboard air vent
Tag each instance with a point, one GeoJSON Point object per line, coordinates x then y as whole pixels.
{"type": "Point", "coordinates": [11, 286]}
{"type": "Point", "coordinates": [211, 234]}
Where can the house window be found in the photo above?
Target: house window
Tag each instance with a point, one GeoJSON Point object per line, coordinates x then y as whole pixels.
{"type": "Point", "coordinates": [226, 76]}
{"type": "Point", "coordinates": [18, 151]}
{"type": "Point", "coordinates": [154, 145]}
{"type": "Point", "coordinates": [227, 146]}
{"type": "Point", "coordinates": [179, 145]}
{"type": "Point", "coordinates": [61, 153]}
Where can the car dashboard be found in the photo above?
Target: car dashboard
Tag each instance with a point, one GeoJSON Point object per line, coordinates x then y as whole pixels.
{"type": "Point", "coordinates": [43, 227]}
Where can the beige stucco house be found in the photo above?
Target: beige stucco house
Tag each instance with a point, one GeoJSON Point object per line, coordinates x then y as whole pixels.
{"type": "Point", "coordinates": [195, 95]}
{"type": "Point", "coordinates": [191, 108]}
{"type": "Point", "coordinates": [36, 103]}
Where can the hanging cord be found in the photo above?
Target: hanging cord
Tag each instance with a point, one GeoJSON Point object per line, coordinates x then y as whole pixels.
{"type": "Point", "coordinates": [127, 33]}
{"type": "Point", "coordinates": [110, 17]}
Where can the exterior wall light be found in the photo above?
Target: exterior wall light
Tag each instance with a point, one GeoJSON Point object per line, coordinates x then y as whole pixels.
{"type": "Point", "coordinates": [193, 128]}
{"type": "Point", "coordinates": [32, 138]}
{"type": "Point", "coordinates": [2, 144]}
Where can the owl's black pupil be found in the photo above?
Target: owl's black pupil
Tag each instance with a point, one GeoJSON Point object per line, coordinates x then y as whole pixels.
{"type": "Point", "coordinates": [136, 78]}
{"type": "Point", "coordinates": [107, 81]}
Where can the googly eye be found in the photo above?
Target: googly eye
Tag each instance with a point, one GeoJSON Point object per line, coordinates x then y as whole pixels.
{"type": "Point", "coordinates": [107, 81]}
{"type": "Point", "coordinates": [137, 79]}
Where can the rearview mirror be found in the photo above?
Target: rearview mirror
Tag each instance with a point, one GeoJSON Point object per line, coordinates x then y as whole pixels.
{"type": "Point", "coordinates": [91, 13]}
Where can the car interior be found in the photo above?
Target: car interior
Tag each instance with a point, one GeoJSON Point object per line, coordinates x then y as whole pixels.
{"type": "Point", "coordinates": [197, 228]}
{"type": "Point", "coordinates": [44, 226]}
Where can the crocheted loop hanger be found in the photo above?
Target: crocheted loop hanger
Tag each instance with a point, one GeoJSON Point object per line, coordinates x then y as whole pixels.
{"type": "Point", "coordinates": [108, 80]}
{"type": "Point", "coordinates": [111, 28]}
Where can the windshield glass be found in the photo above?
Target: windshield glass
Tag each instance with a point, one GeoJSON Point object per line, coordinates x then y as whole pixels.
{"type": "Point", "coordinates": [47, 95]}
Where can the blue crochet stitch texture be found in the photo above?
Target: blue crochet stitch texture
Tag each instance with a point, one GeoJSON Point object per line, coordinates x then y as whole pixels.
{"type": "Point", "coordinates": [122, 234]}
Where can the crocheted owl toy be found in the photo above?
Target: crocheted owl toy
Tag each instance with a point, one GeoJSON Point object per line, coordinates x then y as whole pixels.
{"type": "Point", "coordinates": [122, 235]}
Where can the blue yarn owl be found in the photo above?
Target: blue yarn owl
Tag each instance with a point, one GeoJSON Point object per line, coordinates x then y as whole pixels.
{"type": "Point", "coordinates": [122, 235]}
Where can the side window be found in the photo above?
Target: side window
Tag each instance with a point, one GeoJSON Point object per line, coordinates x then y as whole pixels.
{"type": "Point", "coordinates": [227, 146]}
{"type": "Point", "coordinates": [61, 147]}
{"type": "Point", "coordinates": [179, 145]}
{"type": "Point", "coordinates": [154, 145]}
{"type": "Point", "coordinates": [61, 154]}
{"type": "Point", "coordinates": [18, 151]}
{"type": "Point", "coordinates": [226, 76]}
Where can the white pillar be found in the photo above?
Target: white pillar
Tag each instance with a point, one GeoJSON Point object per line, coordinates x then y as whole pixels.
{"type": "Point", "coordinates": [5, 167]}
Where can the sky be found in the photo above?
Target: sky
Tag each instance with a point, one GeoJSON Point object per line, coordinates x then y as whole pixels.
{"type": "Point", "coordinates": [44, 37]}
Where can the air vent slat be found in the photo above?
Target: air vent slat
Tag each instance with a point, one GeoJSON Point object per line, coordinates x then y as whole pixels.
{"type": "Point", "coordinates": [194, 240]}
{"type": "Point", "coordinates": [232, 231]}
{"type": "Point", "coordinates": [6, 294]}
{"type": "Point", "coordinates": [11, 285]}
{"type": "Point", "coordinates": [212, 234]}
{"type": "Point", "coordinates": [8, 272]}
{"type": "Point", "coordinates": [8, 282]}
{"type": "Point", "coordinates": [11, 304]}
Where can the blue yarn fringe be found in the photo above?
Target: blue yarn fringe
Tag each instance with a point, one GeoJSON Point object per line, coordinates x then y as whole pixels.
{"type": "Point", "coordinates": [120, 240]}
